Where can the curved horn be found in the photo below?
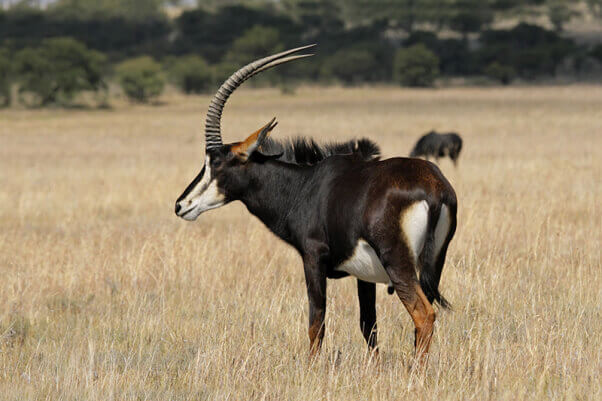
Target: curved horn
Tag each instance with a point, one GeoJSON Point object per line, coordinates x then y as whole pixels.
{"type": "Point", "coordinates": [213, 136]}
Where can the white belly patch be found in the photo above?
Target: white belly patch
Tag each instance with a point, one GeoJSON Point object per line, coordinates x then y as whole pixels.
{"type": "Point", "coordinates": [364, 264]}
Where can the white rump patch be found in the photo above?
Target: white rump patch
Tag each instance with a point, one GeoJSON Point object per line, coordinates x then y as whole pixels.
{"type": "Point", "coordinates": [414, 224]}
{"type": "Point", "coordinates": [442, 229]}
{"type": "Point", "coordinates": [365, 265]}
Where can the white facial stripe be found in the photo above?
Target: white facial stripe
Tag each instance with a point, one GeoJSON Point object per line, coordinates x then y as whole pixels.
{"type": "Point", "coordinates": [203, 183]}
{"type": "Point", "coordinates": [204, 196]}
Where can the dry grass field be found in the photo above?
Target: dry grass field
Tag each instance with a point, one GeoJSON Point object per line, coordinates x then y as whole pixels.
{"type": "Point", "coordinates": [105, 294]}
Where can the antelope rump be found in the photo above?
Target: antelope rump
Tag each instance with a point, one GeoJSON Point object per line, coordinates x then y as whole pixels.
{"type": "Point", "coordinates": [342, 208]}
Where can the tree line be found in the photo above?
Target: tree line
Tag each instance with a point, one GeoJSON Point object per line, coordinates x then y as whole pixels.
{"type": "Point", "coordinates": [48, 56]}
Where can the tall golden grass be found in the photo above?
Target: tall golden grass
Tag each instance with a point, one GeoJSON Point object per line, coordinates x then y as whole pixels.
{"type": "Point", "coordinates": [105, 294]}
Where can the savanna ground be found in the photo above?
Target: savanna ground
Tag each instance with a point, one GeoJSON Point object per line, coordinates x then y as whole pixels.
{"type": "Point", "coordinates": [106, 294]}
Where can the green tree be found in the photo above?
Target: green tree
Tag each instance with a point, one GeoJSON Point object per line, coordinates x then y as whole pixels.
{"type": "Point", "coordinates": [191, 74]}
{"type": "Point", "coordinates": [521, 9]}
{"type": "Point", "coordinates": [404, 14]}
{"type": "Point", "coordinates": [595, 7]}
{"type": "Point", "coordinates": [257, 42]}
{"type": "Point", "coordinates": [596, 52]}
{"type": "Point", "coordinates": [5, 73]}
{"type": "Point", "coordinates": [560, 12]}
{"type": "Point", "coordinates": [415, 66]}
{"type": "Point", "coordinates": [133, 9]}
{"type": "Point", "coordinates": [470, 16]}
{"type": "Point", "coordinates": [531, 50]}
{"type": "Point", "coordinates": [464, 15]}
{"type": "Point", "coordinates": [58, 70]}
{"type": "Point", "coordinates": [23, 5]}
{"type": "Point", "coordinates": [215, 4]}
{"type": "Point", "coordinates": [438, 13]}
{"type": "Point", "coordinates": [316, 16]}
{"type": "Point", "coordinates": [141, 79]}
{"type": "Point", "coordinates": [350, 66]}
{"type": "Point", "coordinates": [221, 71]}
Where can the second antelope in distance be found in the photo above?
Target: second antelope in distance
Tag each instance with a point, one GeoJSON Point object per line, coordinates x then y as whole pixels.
{"type": "Point", "coordinates": [438, 145]}
{"type": "Point", "coordinates": [342, 208]}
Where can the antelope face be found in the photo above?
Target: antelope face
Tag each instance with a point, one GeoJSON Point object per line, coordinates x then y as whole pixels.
{"type": "Point", "coordinates": [222, 177]}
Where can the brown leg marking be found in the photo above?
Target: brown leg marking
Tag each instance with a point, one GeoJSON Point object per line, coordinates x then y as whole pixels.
{"type": "Point", "coordinates": [423, 315]}
{"type": "Point", "coordinates": [315, 279]}
{"type": "Point", "coordinates": [374, 355]}
{"type": "Point", "coordinates": [316, 334]}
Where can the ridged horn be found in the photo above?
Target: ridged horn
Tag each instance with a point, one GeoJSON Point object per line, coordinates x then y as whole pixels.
{"type": "Point", "coordinates": [213, 135]}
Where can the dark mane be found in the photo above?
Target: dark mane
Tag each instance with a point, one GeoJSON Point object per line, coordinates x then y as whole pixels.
{"type": "Point", "coordinates": [306, 151]}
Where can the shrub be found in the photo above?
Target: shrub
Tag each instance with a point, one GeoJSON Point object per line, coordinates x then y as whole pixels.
{"type": "Point", "coordinates": [191, 74]}
{"type": "Point", "coordinates": [58, 70]}
{"type": "Point", "coordinates": [415, 66]}
{"type": "Point", "coordinates": [5, 72]}
{"type": "Point", "coordinates": [502, 73]}
{"type": "Point", "coordinates": [141, 79]}
{"type": "Point", "coordinates": [350, 66]}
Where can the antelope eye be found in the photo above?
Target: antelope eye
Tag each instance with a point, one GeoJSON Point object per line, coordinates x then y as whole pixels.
{"type": "Point", "coordinates": [216, 163]}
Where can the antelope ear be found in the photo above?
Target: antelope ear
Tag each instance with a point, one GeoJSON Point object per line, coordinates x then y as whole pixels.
{"type": "Point", "coordinates": [249, 145]}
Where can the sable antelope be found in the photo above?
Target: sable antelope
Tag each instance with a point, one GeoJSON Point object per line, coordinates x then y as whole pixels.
{"type": "Point", "coordinates": [438, 145]}
{"type": "Point", "coordinates": [344, 210]}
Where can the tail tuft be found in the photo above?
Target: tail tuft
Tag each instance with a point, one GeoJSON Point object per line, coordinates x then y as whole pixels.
{"type": "Point", "coordinates": [430, 273]}
{"type": "Point", "coordinates": [431, 291]}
